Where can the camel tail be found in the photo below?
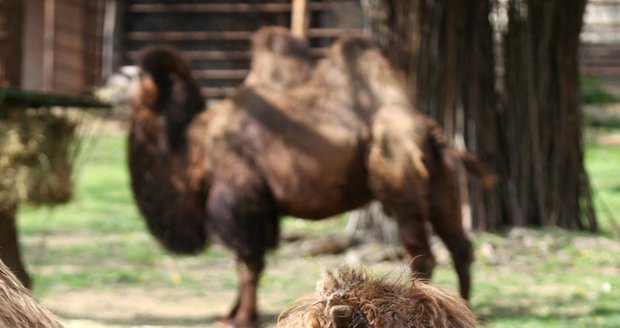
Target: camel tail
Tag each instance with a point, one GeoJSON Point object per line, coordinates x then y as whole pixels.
{"type": "Point", "coordinates": [453, 158]}
{"type": "Point", "coordinates": [474, 167]}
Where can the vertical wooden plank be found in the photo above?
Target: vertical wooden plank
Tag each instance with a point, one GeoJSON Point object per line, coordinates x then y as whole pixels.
{"type": "Point", "coordinates": [98, 44]}
{"type": "Point", "coordinates": [49, 36]}
{"type": "Point", "coordinates": [92, 39]}
{"type": "Point", "coordinates": [110, 38]}
{"type": "Point", "coordinates": [11, 42]}
{"type": "Point", "coordinates": [300, 18]}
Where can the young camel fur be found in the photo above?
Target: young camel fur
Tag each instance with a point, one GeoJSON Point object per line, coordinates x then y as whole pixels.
{"type": "Point", "coordinates": [350, 298]}
{"type": "Point", "coordinates": [300, 137]}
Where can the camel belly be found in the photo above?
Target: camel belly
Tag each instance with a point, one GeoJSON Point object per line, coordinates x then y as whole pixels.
{"type": "Point", "coordinates": [320, 196]}
{"type": "Point", "coordinates": [316, 184]}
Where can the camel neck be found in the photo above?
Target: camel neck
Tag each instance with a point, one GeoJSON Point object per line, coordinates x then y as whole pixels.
{"type": "Point", "coordinates": [171, 205]}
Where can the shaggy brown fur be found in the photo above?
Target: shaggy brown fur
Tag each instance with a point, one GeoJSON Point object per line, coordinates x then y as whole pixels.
{"type": "Point", "coordinates": [18, 309]}
{"type": "Point", "coordinates": [157, 152]}
{"type": "Point", "coordinates": [350, 298]}
{"type": "Point", "coordinates": [300, 138]}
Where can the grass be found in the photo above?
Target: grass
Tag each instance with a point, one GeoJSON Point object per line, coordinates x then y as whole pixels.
{"type": "Point", "coordinates": [593, 92]}
{"type": "Point", "coordinates": [97, 248]}
{"type": "Point", "coordinates": [602, 165]}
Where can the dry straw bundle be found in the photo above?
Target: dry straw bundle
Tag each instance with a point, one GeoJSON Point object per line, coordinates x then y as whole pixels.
{"type": "Point", "coordinates": [36, 157]}
{"type": "Point", "coordinates": [350, 298]}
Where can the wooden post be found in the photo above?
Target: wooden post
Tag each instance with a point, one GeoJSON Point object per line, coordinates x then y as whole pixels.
{"type": "Point", "coordinates": [300, 18]}
{"type": "Point", "coordinates": [49, 40]}
{"type": "Point", "coordinates": [113, 40]}
{"type": "Point", "coordinates": [11, 42]}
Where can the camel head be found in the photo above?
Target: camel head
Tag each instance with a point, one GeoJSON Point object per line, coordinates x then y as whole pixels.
{"type": "Point", "coordinates": [159, 86]}
{"type": "Point", "coordinates": [350, 298]}
{"type": "Point", "coordinates": [167, 89]}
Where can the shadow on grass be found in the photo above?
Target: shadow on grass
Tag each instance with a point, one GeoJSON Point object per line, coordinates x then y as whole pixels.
{"type": "Point", "coordinates": [154, 320]}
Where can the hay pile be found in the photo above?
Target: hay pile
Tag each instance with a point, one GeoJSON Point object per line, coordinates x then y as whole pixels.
{"type": "Point", "coordinates": [36, 157]}
{"type": "Point", "coordinates": [350, 298]}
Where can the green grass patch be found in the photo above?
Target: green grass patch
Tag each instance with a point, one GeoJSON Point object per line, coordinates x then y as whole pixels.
{"type": "Point", "coordinates": [525, 278]}
{"type": "Point", "coordinates": [602, 165]}
{"type": "Point", "coordinates": [593, 92]}
{"type": "Point", "coordinates": [607, 125]}
{"type": "Point", "coordinates": [102, 203]}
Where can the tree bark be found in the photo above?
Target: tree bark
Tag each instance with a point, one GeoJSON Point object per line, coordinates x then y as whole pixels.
{"type": "Point", "coordinates": [530, 133]}
{"type": "Point", "coordinates": [542, 102]}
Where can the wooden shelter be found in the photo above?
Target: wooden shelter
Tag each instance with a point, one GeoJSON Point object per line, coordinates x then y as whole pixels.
{"type": "Point", "coordinates": [51, 45]}
{"type": "Point", "coordinates": [215, 34]}
{"type": "Point", "coordinates": [49, 57]}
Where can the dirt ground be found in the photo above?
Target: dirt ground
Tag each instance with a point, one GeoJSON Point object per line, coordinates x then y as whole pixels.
{"type": "Point", "coordinates": [290, 275]}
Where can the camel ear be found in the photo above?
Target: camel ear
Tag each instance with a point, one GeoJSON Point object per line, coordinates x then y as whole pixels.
{"type": "Point", "coordinates": [344, 316]}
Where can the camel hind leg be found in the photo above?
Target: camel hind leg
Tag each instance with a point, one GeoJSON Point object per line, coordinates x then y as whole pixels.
{"type": "Point", "coordinates": [404, 199]}
{"type": "Point", "coordinates": [398, 178]}
{"type": "Point", "coordinates": [447, 223]}
{"type": "Point", "coordinates": [411, 216]}
{"type": "Point", "coordinates": [414, 238]}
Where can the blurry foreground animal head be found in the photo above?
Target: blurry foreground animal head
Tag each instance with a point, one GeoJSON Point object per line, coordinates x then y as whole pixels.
{"type": "Point", "coordinates": [350, 298]}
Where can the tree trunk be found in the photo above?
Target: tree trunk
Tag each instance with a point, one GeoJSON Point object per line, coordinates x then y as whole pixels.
{"type": "Point", "coordinates": [9, 244]}
{"type": "Point", "coordinates": [542, 103]}
{"type": "Point", "coordinates": [529, 134]}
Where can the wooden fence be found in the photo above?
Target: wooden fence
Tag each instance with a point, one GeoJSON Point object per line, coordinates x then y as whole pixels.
{"type": "Point", "coordinates": [600, 39]}
{"type": "Point", "coordinates": [215, 35]}
{"type": "Point", "coordinates": [51, 45]}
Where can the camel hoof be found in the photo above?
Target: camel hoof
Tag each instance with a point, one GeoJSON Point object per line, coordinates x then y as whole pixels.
{"type": "Point", "coordinates": [243, 325]}
{"type": "Point", "coordinates": [232, 323]}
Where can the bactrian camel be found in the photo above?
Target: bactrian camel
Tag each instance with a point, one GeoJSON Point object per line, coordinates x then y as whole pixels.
{"type": "Point", "coordinates": [299, 137]}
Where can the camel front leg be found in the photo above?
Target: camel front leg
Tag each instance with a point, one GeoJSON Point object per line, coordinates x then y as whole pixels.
{"type": "Point", "coordinates": [244, 313]}
{"type": "Point", "coordinates": [246, 221]}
